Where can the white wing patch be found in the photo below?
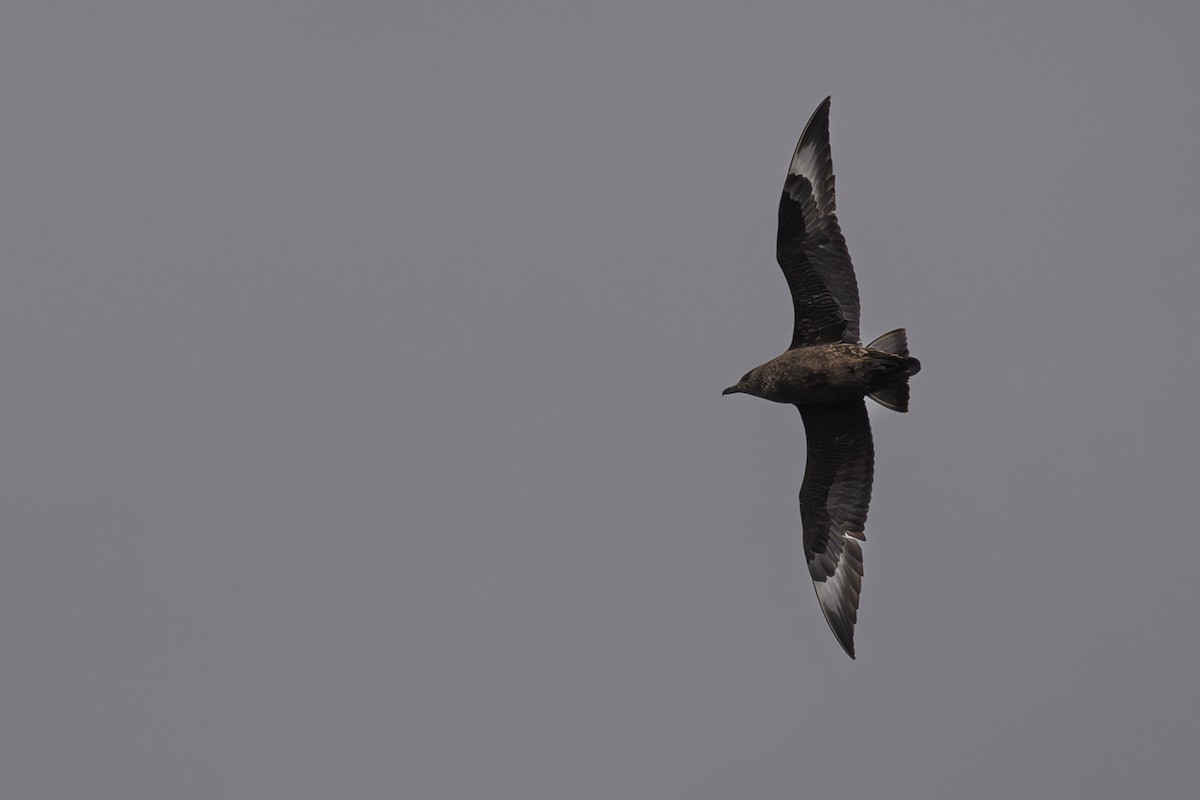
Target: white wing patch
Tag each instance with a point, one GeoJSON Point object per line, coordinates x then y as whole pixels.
{"type": "Point", "coordinates": [838, 593]}
{"type": "Point", "coordinates": [804, 161]}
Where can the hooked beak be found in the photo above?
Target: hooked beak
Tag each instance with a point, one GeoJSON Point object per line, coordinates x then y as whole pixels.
{"type": "Point", "coordinates": [731, 390]}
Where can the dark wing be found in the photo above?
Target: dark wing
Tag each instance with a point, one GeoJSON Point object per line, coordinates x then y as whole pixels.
{"type": "Point", "coordinates": [833, 508]}
{"type": "Point", "coordinates": [810, 247]}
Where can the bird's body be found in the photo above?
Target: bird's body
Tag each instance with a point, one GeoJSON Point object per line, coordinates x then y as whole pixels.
{"type": "Point", "coordinates": [826, 373]}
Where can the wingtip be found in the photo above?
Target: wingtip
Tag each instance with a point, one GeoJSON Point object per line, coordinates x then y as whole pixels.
{"type": "Point", "coordinates": [846, 640]}
{"type": "Point", "coordinates": [848, 646]}
{"type": "Point", "coordinates": [838, 589]}
{"type": "Point", "coordinates": [822, 111]}
{"type": "Point", "coordinates": [811, 156]}
{"type": "Point", "coordinates": [841, 620]}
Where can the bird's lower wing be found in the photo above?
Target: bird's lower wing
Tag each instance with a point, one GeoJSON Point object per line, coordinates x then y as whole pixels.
{"type": "Point", "coordinates": [834, 499]}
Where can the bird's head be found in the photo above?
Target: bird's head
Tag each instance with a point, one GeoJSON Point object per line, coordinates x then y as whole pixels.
{"type": "Point", "coordinates": [751, 383]}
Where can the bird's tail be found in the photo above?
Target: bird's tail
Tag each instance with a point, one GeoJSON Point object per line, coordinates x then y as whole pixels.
{"type": "Point", "coordinates": [894, 393]}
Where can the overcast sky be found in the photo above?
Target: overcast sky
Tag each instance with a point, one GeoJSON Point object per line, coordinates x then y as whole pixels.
{"type": "Point", "coordinates": [361, 420]}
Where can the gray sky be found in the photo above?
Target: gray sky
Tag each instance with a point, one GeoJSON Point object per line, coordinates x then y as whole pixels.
{"type": "Point", "coordinates": [361, 414]}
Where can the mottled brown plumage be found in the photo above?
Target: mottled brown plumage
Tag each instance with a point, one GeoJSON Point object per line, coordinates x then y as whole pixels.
{"type": "Point", "coordinates": [826, 373]}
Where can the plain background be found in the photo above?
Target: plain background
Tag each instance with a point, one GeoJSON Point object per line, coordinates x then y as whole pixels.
{"type": "Point", "coordinates": [361, 418]}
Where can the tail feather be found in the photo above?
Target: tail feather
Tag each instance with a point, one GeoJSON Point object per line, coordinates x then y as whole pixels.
{"type": "Point", "coordinates": [895, 342]}
{"type": "Point", "coordinates": [894, 394]}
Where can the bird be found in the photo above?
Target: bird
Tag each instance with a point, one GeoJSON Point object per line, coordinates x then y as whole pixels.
{"type": "Point", "coordinates": [827, 373]}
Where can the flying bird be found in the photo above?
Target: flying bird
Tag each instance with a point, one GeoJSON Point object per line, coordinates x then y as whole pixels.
{"type": "Point", "coordinates": [826, 373]}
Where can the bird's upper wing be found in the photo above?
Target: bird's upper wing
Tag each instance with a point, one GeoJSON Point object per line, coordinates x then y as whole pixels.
{"type": "Point", "coordinates": [833, 508]}
{"type": "Point", "coordinates": [810, 247]}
